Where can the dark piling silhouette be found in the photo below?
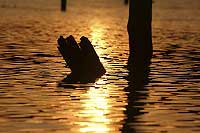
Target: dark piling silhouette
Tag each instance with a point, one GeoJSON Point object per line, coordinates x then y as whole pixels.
{"type": "Point", "coordinates": [126, 2]}
{"type": "Point", "coordinates": [140, 44]}
{"type": "Point", "coordinates": [63, 5]}
{"type": "Point", "coordinates": [140, 32]}
{"type": "Point", "coordinates": [82, 60]}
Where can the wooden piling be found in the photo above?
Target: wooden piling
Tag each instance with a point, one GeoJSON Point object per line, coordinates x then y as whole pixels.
{"type": "Point", "coordinates": [126, 2]}
{"type": "Point", "coordinates": [63, 5]}
{"type": "Point", "coordinates": [81, 58]}
{"type": "Point", "coordinates": [140, 30]}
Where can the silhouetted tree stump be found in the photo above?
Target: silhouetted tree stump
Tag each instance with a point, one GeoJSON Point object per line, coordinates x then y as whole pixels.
{"type": "Point", "coordinates": [81, 58]}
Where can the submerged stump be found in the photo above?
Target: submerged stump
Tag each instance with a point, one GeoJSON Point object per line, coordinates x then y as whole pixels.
{"type": "Point", "coordinates": [81, 58]}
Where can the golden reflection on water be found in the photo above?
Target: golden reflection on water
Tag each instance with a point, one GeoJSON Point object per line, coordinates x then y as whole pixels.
{"type": "Point", "coordinates": [95, 108]}
{"type": "Point", "coordinates": [97, 33]}
{"type": "Point", "coordinates": [96, 103]}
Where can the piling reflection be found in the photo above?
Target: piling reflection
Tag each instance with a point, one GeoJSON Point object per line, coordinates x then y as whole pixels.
{"type": "Point", "coordinates": [136, 91]}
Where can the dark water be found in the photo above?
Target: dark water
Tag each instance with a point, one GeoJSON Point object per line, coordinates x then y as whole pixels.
{"type": "Point", "coordinates": [31, 67]}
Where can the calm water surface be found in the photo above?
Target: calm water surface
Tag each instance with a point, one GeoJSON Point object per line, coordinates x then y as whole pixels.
{"type": "Point", "coordinates": [31, 68]}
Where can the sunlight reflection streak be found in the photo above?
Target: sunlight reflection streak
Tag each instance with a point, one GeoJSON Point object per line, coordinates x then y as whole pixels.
{"type": "Point", "coordinates": [97, 33]}
{"type": "Point", "coordinates": [96, 106]}
{"type": "Point", "coordinates": [95, 110]}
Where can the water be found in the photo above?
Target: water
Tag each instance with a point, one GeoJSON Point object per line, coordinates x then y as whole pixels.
{"type": "Point", "coordinates": [31, 68]}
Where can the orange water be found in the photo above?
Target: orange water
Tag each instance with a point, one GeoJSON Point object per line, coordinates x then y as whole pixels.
{"type": "Point", "coordinates": [31, 67]}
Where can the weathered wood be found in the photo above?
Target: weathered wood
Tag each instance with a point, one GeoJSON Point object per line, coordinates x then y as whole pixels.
{"type": "Point", "coordinates": [81, 58]}
{"type": "Point", "coordinates": [140, 39]}
{"type": "Point", "coordinates": [63, 5]}
{"type": "Point", "coordinates": [140, 30]}
{"type": "Point", "coordinates": [126, 2]}
{"type": "Point", "coordinates": [91, 59]}
{"type": "Point", "coordinates": [70, 51]}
